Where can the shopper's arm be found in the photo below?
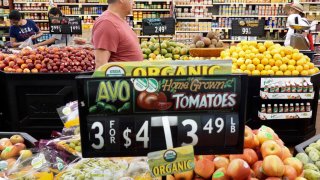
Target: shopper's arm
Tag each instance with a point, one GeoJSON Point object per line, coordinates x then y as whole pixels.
{"type": "Point", "coordinates": [14, 42]}
{"type": "Point", "coordinates": [101, 57]}
{"type": "Point", "coordinates": [46, 42]}
{"type": "Point", "coordinates": [39, 34]}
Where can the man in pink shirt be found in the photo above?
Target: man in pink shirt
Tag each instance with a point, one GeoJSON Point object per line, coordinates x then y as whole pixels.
{"type": "Point", "coordinates": [112, 37]}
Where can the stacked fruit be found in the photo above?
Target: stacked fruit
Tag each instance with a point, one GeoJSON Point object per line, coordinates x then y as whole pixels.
{"type": "Point", "coordinates": [212, 40]}
{"type": "Point", "coordinates": [264, 157]}
{"type": "Point", "coordinates": [268, 59]}
{"type": "Point", "coordinates": [165, 50]}
{"type": "Point", "coordinates": [11, 148]}
{"type": "Point", "coordinates": [311, 161]}
{"type": "Point", "coordinates": [53, 60]}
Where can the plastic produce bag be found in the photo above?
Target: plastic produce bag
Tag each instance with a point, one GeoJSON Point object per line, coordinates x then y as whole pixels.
{"type": "Point", "coordinates": [69, 115]}
{"type": "Point", "coordinates": [26, 43]}
{"type": "Point", "coordinates": [70, 144]}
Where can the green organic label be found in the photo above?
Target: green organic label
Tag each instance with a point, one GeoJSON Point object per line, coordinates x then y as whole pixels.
{"type": "Point", "coordinates": [171, 161]}
{"type": "Point", "coordinates": [218, 174]}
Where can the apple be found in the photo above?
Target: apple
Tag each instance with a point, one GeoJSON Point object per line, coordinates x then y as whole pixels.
{"type": "Point", "coordinates": [20, 146]}
{"type": "Point", "coordinates": [257, 169]}
{"type": "Point", "coordinates": [210, 157]}
{"type": "Point", "coordinates": [220, 174]}
{"type": "Point", "coordinates": [273, 178]}
{"type": "Point", "coordinates": [170, 177]}
{"type": "Point", "coordinates": [271, 148]}
{"type": "Point", "coordinates": [221, 162]}
{"type": "Point", "coordinates": [9, 152]}
{"type": "Point", "coordinates": [204, 168]}
{"type": "Point", "coordinates": [26, 71]}
{"type": "Point", "coordinates": [264, 136]}
{"type": "Point", "coordinates": [188, 175]}
{"type": "Point", "coordinates": [256, 141]}
{"type": "Point", "coordinates": [273, 166]}
{"type": "Point", "coordinates": [290, 173]}
{"type": "Point", "coordinates": [236, 156]}
{"type": "Point", "coordinates": [248, 138]}
{"type": "Point", "coordinates": [285, 153]}
{"type": "Point", "coordinates": [300, 178]}
{"type": "Point", "coordinates": [295, 163]}
{"type": "Point", "coordinates": [11, 162]}
{"type": "Point", "coordinates": [238, 169]}
{"type": "Point", "coordinates": [250, 156]}
{"type": "Point", "coordinates": [16, 139]}
{"type": "Point", "coordinates": [25, 154]}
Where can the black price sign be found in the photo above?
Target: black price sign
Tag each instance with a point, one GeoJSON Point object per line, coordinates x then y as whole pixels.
{"type": "Point", "coordinates": [65, 25]}
{"type": "Point", "coordinates": [247, 28]}
{"type": "Point", "coordinates": [156, 26]}
{"type": "Point", "coordinates": [134, 116]}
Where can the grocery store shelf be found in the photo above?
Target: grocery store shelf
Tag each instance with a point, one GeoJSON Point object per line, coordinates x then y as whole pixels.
{"type": "Point", "coordinates": [24, 2]}
{"type": "Point", "coordinates": [41, 20]}
{"type": "Point", "coordinates": [83, 4]}
{"type": "Point", "coordinates": [137, 21]}
{"type": "Point", "coordinates": [155, 36]}
{"type": "Point", "coordinates": [258, 16]}
{"type": "Point", "coordinates": [229, 40]}
{"type": "Point", "coordinates": [150, 9]}
{"type": "Point", "coordinates": [152, 1]}
{"type": "Point", "coordinates": [235, 4]}
{"type": "Point", "coordinates": [195, 18]}
{"type": "Point", "coordinates": [80, 15]}
{"type": "Point", "coordinates": [309, 2]}
{"type": "Point", "coordinates": [137, 28]}
{"type": "Point", "coordinates": [31, 11]}
{"type": "Point", "coordinates": [192, 31]}
{"type": "Point", "coordinates": [192, 5]}
{"type": "Point", "coordinates": [223, 28]}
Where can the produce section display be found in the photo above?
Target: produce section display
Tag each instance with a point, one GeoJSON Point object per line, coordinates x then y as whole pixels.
{"type": "Point", "coordinates": [48, 60]}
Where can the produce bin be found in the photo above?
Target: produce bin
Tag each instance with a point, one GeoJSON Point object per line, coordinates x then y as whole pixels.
{"type": "Point", "coordinates": [30, 101]}
{"type": "Point", "coordinates": [291, 131]}
{"type": "Point", "coordinates": [301, 147]}
{"type": "Point", "coordinates": [29, 141]}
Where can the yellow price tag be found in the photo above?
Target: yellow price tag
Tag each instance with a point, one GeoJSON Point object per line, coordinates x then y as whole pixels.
{"type": "Point", "coordinates": [244, 4]}
{"type": "Point", "coordinates": [150, 2]}
{"type": "Point", "coordinates": [237, 5]}
{"type": "Point", "coordinates": [3, 38]}
{"type": "Point", "coordinates": [168, 1]}
{"type": "Point", "coordinates": [5, 18]}
{"type": "Point", "coordinates": [80, 5]}
{"type": "Point", "coordinates": [310, 13]}
{"type": "Point", "coordinates": [280, 30]}
{"type": "Point", "coordinates": [214, 17]}
{"type": "Point", "coordinates": [135, 22]}
{"type": "Point", "coordinates": [232, 42]}
{"type": "Point", "coordinates": [318, 34]}
{"type": "Point", "coordinates": [318, 13]}
{"type": "Point", "coordinates": [271, 30]}
{"type": "Point", "coordinates": [227, 30]}
{"type": "Point", "coordinates": [197, 20]}
{"type": "Point", "coordinates": [273, 18]}
{"type": "Point", "coordinates": [277, 5]}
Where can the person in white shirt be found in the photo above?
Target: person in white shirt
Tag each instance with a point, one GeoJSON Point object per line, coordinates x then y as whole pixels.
{"type": "Point", "coordinates": [295, 17]}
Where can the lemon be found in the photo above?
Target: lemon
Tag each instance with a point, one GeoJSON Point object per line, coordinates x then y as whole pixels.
{"type": "Point", "coordinates": [282, 53]}
{"type": "Point", "coordinates": [267, 67]}
{"type": "Point", "coordinates": [295, 73]}
{"type": "Point", "coordinates": [296, 56]}
{"type": "Point", "coordinates": [256, 61]}
{"type": "Point", "coordinates": [268, 44]}
{"type": "Point", "coordinates": [248, 61]}
{"type": "Point", "coordinates": [311, 71]}
{"type": "Point", "coordinates": [247, 72]}
{"type": "Point", "coordinates": [278, 63]}
{"type": "Point", "coordinates": [299, 68]}
{"type": "Point", "coordinates": [242, 54]}
{"type": "Point", "coordinates": [279, 73]}
{"type": "Point", "coordinates": [268, 56]}
{"type": "Point", "coordinates": [251, 67]}
{"type": "Point", "coordinates": [254, 50]}
{"type": "Point", "coordinates": [275, 51]}
{"type": "Point", "coordinates": [240, 62]}
{"type": "Point", "coordinates": [262, 49]}
{"type": "Point", "coordinates": [272, 62]}
{"type": "Point", "coordinates": [260, 56]}
{"type": "Point", "coordinates": [288, 50]}
{"type": "Point", "coordinates": [235, 55]}
{"type": "Point", "coordinates": [306, 67]}
{"type": "Point", "coordinates": [304, 73]}
{"type": "Point", "coordinates": [264, 72]}
{"type": "Point", "coordinates": [316, 69]}
{"type": "Point", "coordinates": [289, 56]}
{"type": "Point", "coordinates": [283, 67]}
{"type": "Point", "coordinates": [264, 61]}
{"type": "Point", "coordinates": [255, 73]}
{"type": "Point", "coordinates": [285, 60]}
{"type": "Point", "coordinates": [234, 60]}
{"type": "Point", "coordinates": [277, 57]}
{"type": "Point", "coordinates": [295, 51]}
{"type": "Point", "coordinates": [291, 67]}
{"type": "Point", "coordinates": [270, 72]}
{"type": "Point", "coordinates": [275, 68]}
{"type": "Point", "coordinates": [260, 67]}
{"type": "Point", "coordinates": [287, 73]}
{"type": "Point", "coordinates": [292, 62]}
{"type": "Point", "coordinates": [243, 67]}
{"type": "Point", "coordinates": [252, 55]}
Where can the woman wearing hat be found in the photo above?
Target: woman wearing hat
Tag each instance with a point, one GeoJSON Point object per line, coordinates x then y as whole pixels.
{"type": "Point", "coordinates": [295, 17]}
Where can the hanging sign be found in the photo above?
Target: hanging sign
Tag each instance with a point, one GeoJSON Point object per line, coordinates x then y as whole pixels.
{"type": "Point", "coordinates": [132, 116]}
{"type": "Point", "coordinates": [157, 26]}
{"type": "Point", "coordinates": [247, 27]}
{"type": "Point", "coordinates": [65, 25]}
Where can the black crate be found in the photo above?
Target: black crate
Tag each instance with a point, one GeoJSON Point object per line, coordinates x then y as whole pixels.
{"type": "Point", "coordinates": [29, 141]}
{"type": "Point", "coordinates": [30, 101]}
{"type": "Point", "coordinates": [300, 147]}
{"type": "Point", "coordinates": [290, 131]}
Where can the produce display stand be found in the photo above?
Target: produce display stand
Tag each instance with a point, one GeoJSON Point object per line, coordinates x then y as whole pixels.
{"type": "Point", "coordinates": [291, 131]}
{"type": "Point", "coordinates": [301, 147]}
{"type": "Point", "coordinates": [29, 101]}
{"type": "Point", "coordinates": [30, 141]}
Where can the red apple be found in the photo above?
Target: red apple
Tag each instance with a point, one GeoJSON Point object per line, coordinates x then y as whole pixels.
{"type": "Point", "coordinates": [273, 178]}
{"type": "Point", "coordinates": [220, 174]}
{"type": "Point", "coordinates": [273, 166]}
{"type": "Point", "coordinates": [248, 137]}
{"type": "Point", "coordinates": [238, 169]}
{"type": "Point", "coordinates": [290, 173]}
{"type": "Point", "coordinates": [285, 153]}
{"type": "Point", "coordinates": [250, 156]}
{"type": "Point", "coordinates": [295, 163]}
{"type": "Point", "coordinates": [20, 146]}
{"type": "Point", "coordinates": [16, 139]}
{"type": "Point", "coordinates": [4, 142]}
{"type": "Point", "coordinates": [221, 162]}
{"type": "Point", "coordinates": [257, 168]}
{"type": "Point", "coordinates": [188, 175]}
{"type": "Point", "coordinates": [170, 177]}
{"type": "Point", "coordinates": [271, 148]}
{"type": "Point", "coordinates": [204, 168]}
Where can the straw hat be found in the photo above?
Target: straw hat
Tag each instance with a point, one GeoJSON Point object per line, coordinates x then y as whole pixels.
{"type": "Point", "coordinates": [295, 6]}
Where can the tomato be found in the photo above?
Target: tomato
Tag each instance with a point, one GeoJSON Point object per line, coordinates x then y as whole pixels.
{"type": "Point", "coordinates": [164, 105]}
{"type": "Point", "coordinates": [162, 97]}
{"type": "Point", "coordinates": [140, 99]}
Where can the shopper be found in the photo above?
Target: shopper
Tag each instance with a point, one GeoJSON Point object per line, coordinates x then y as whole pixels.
{"type": "Point", "coordinates": [22, 29]}
{"type": "Point", "coordinates": [295, 17]}
{"type": "Point", "coordinates": [56, 38]}
{"type": "Point", "coordinates": [112, 37]}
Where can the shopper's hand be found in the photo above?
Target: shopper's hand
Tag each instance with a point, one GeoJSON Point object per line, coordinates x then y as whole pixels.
{"type": "Point", "coordinates": [33, 37]}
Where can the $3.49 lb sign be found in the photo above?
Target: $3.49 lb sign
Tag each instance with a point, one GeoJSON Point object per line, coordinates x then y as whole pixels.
{"type": "Point", "coordinates": [134, 116]}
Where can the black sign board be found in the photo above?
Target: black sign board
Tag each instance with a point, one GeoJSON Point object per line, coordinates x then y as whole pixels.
{"type": "Point", "coordinates": [65, 25]}
{"type": "Point", "coordinates": [125, 116]}
{"type": "Point", "coordinates": [157, 26]}
{"type": "Point", "coordinates": [247, 27]}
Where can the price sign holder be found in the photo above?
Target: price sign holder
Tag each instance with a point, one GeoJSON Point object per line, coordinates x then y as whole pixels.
{"type": "Point", "coordinates": [65, 25]}
{"type": "Point", "coordinates": [133, 116]}
{"type": "Point", "coordinates": [248, 27]}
